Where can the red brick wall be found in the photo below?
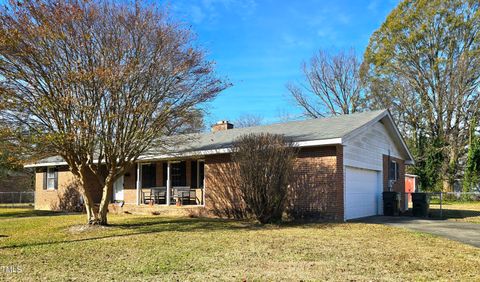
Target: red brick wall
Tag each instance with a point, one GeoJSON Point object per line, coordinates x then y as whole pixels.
{"type": "Point", "coordinates": [50, 199]}
{"type": "Point", "coordinates": [399, 185]}
{"type": "Point", "coordinates": [130, 186]}
{"type": "Point", "coordinates": [317, 190]}
{"type": "Point", "coordinates": [318, 187]}
{"type": "Point", "coordinates": [222, 196]}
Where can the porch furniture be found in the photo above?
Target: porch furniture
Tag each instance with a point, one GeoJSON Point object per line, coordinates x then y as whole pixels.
{"type": "Point", "coordinates": [182, 194]}
{"type": "Point", "coordinates": [156, 195]}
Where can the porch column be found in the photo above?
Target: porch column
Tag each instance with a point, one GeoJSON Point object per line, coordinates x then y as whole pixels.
{"type": "Point", "coordinates": [139, 183]}
{"type": "Point", "coordinates": [169, 184]}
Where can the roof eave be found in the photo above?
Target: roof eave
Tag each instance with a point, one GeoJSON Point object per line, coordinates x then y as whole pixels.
{"type": "Point", "coordinates": [44, 164]}
{"type": "Point", "coordinates": [201, 153]}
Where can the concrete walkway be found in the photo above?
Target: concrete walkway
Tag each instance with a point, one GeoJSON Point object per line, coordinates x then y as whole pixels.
{"type": "Point", "coordinates": [468, 233]}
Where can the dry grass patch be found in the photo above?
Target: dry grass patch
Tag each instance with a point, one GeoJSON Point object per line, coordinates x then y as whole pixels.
{"type": "Point", "coordinates": [186, 249]}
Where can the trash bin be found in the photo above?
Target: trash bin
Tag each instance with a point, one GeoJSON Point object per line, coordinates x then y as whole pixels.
{"type": "Point", "coordinates": [391, 203]}
{"type": "Point", "coordinates": [421, 204]}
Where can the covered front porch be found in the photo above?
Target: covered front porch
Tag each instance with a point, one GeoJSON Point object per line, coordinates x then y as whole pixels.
{"type": "Point", "coordinates": [163, 183]}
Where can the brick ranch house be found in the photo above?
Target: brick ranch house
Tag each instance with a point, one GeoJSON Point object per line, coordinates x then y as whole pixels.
{"type": "Point", "coordinates": [344, 164]}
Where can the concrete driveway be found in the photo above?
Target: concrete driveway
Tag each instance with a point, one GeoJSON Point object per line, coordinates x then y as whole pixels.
{"type": "Point", "coordinates": [468, 233]}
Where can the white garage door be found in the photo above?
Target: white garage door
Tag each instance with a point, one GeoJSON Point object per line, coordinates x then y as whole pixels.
{"type": "Point", "coordinates": [361, 192]}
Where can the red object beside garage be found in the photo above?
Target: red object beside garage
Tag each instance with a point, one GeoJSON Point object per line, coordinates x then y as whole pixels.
{"type": "Point", "coordinates": [410, 185]}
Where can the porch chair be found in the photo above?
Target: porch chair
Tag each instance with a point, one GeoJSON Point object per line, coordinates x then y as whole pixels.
{"type": "Point", "coordinates": [182, 193]}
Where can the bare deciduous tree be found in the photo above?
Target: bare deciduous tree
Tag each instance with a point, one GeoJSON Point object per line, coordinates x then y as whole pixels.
{"type": "Point", "coordinates": [333, 85]}
{"type": "Point", "coordinates": [247, 120]}
{"type": "Point", "coordinates": [265, 166]}
{"type": "Point", "coordinates": [99, 82]}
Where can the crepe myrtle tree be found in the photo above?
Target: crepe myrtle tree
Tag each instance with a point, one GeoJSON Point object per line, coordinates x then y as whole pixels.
{"type": "Point", "coordinates": [265, 164]}
{"type": "Point", "coordinates": [99, 82]}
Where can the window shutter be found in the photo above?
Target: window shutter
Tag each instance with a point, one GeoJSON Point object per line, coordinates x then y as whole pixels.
{"type": "Point", "coordinates": [56, 178]}
{"type": "Point", "coordinates": [45, 180]}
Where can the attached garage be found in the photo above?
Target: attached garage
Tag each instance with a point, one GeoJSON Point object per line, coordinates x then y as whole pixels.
{"type": "Point", "coordinates": [362, 192]}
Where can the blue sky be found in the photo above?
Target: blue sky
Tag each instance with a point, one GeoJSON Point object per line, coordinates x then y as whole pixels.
{"type": "Point", "coordinates": [259, 45]}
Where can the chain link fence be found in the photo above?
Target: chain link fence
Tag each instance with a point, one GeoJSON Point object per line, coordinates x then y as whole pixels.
{"type": "Point", "coordinates": [460, 206]}
{"type": "Point", "coordinates": [17, 199]}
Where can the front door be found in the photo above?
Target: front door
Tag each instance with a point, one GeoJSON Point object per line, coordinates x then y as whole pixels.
{"type": "Point", "coordinates": [118, 189]}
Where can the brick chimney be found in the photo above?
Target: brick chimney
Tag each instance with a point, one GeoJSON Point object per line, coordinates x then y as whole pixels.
{"type": "Point", "coordinates": [222, 125]}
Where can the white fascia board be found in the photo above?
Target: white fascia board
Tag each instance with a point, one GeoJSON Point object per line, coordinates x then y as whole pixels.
{"type": "Point", "coordinates": [411, 161]}
{"type": "Point", "coordinates": [50, 164]}
{"type": "Point", "coordinates": [311, 143]}
{"type": "Point", "coordinates": [44, 164]}
{"type": "Point", "coordinates": [332, 141]}
{"type": "Point", "coordinates": [146, 158]}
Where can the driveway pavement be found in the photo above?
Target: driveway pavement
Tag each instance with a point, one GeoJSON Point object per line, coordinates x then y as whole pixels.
{"type": "Point", "coordinates": [468, 233]}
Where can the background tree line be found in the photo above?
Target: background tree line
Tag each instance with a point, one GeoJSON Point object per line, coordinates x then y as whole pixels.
{"type": "Point", "coordinates": [423, 64]}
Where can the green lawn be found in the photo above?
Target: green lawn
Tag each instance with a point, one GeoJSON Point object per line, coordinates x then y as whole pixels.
{"type": "Point", "coordinates": [51, 246]}
{"type": "Point", "coordinates": [457, 210]}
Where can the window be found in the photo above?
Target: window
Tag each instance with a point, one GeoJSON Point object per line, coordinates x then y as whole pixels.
{"type": "Point", "coordinates": [149, 173]}
{"type": "Point", "coordinates": [51, 182]}
{"type": "Point", "coordinates": [393, 173]}
{"type": "Point", "coordinates": [178, 173]}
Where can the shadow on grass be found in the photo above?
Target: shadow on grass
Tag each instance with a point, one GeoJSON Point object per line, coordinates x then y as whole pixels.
{"type": "Point", "coordinates": [142, 226]}
{"type": "Point", "coordinates": [452, 213]}
{"type": "Point", "coordinates": [16, 213]}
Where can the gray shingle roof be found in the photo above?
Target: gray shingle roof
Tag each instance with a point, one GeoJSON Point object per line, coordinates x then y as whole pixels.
{"type": "Point", "coordinates": [298, 131]}
{"type": "Point", "coordinates": [54, 159]}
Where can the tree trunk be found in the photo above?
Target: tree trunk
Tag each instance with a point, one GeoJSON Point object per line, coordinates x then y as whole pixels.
{"type": "Point", "coordinates": [91, 186]}
{"type": "Point", "coordinates": [106, 196]}
{"type": "Point", "coordinates": [450, 167]}
{"type": "Point", "coordinates": [89, 206]}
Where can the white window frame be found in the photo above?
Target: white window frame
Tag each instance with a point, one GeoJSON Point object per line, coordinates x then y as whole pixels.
{"type": "Point", "coordinates": [51, 176]}
{"type": "Point", "coordinates": [395, 170]}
